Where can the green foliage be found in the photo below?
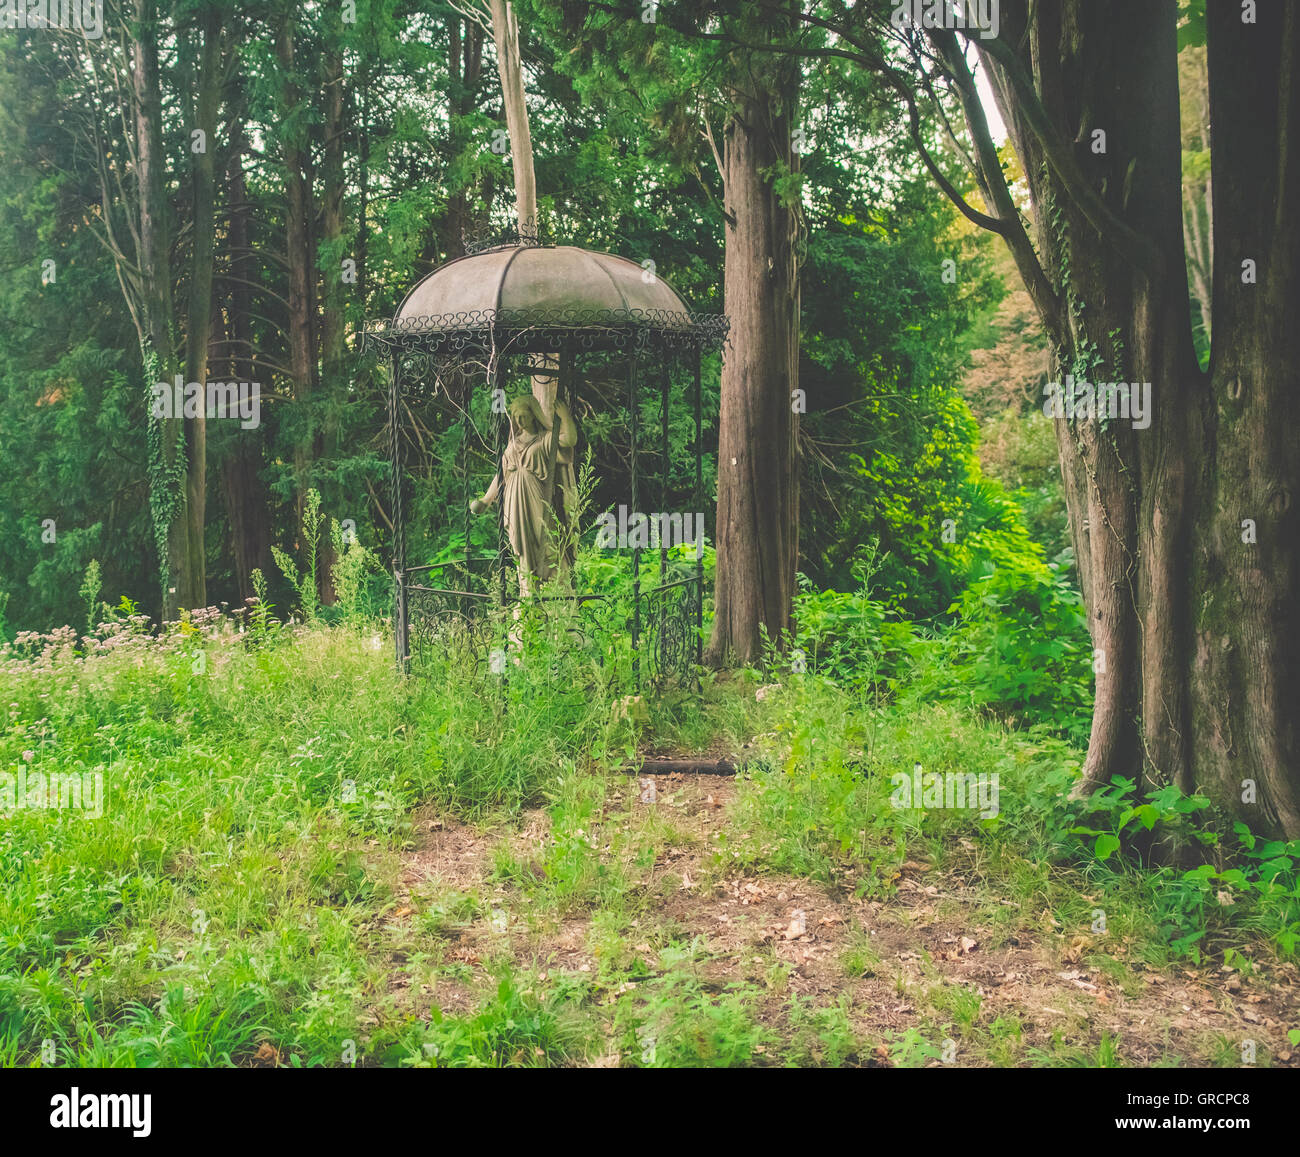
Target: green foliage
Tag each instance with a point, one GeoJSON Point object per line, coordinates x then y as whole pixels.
{"type": "Point", "coordinates": [513, 1029]}
{"type": "Point", "coordinates": [306, 584]}
{"type": "Point", "coordinates": [214, 1029]}
{"type": "Point", "coordinates": [902, 438]}
{"type": "Point", "coordinates": [1019, 649]}
{"type": "Point", "coordinates": [1168, 810]}
{"type": "Point", "coordinates": [264, 786]}
{"type": "Point", "coordinates": [843, 635]}
{"type": "Point", "coordinates": [821, 798]}
{"type": "Point", "coordinates": [90, 588]}
{"type": "Point", "coordinates": [672, 1022]}
{"type": "Point", "coordinates": [912, 1051]}
{"type": "Point", "coordinates": [1191, 26]}
{"type": "Point", "coordinates": [1266, 878]}
{"type": "Point", "coordinates": [267, 745]}
{"type": "Point", "coordinates": [1249, 881]}
{"type": "Point", "coordinates": [1030, 471]}
{"type": "Point", "coordinates": [259, 609]}
{"type": "Point", "coordinates": [238, 895]}
{"type": "Point", "coordinates": [354, 566]}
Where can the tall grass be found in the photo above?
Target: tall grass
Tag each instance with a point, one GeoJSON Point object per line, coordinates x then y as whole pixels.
{"type": "Point", "coordinates": [224, 894]}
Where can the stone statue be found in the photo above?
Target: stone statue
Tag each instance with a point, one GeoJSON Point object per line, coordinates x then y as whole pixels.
{"type": "Point", "coordinates": [529, 469]}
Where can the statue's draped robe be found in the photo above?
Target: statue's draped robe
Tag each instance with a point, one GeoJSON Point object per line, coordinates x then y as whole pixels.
{"type": "Point", "coordinates": [528, 471]}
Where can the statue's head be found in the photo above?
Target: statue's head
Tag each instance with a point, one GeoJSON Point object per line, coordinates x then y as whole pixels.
{"type": "Point", "coordinates": [522, 416]}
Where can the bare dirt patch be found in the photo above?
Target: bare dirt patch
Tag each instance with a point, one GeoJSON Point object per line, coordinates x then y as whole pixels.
{"type": "Point", "coordinates": [897, 961]}
{"type": "Point", "coordinates": [447, 853]}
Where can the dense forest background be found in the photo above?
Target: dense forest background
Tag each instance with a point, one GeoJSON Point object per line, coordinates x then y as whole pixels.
{"type": "Point", "coordinates": [345, 161]}
{"type": "Point", "coordinates": [242, 189]}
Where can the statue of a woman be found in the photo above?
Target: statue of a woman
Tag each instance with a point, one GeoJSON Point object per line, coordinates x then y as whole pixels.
{"type": "Point", "coordinates": [528, 473]}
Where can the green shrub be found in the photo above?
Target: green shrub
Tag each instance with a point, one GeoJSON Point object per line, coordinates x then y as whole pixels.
{"type": "Point", "coordinates": [1019, 651]}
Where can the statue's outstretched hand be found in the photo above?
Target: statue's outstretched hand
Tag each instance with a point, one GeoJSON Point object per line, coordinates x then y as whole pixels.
{"type": "Point", "coordinates": [477, 506]}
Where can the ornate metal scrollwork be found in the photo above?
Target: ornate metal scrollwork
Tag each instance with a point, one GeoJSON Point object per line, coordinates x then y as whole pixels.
{"type": "Point", "coordinates": [483, 331]}
{"type": "Point", "coordinates": [669, 634]}
{"type": "Point", "coordinates": [449, 607]}
{"type": "Point", "coordinates": [527, 233]}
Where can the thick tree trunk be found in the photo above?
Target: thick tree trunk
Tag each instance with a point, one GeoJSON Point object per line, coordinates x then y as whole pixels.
{"type": "Point", "coordinates": [758, 472]}
{"type": "Point", "coordinates": [1125, 321]}
{"type": "Point", "coordinates": [1245, 599]}
{"type": "Point", "coordinates": [1197, 682]}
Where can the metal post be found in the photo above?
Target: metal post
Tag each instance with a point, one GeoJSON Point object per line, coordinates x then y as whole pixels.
{"type": "Point", "coordinates": [636, 550]}
{"type": "Point", "coordinates": [466, 427]}
{"type": "Point", "coordinates": [699, 509]}
{"type": "Point", "coordinates": [499, 436]}
{"type": "Point", "coordinates": [564, 393]}
{"type": "Point", "coordinates": [666, 477]}
{"type": "Point", "coordinates": [401, 628]}
{"type": "Point", "coordinates": [494, 380]}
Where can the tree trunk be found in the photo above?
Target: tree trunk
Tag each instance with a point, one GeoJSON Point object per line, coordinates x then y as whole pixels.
{"type": "Point", "coordinates": [333, 295]}
{"type": "Point", "coordinates": [1197, 680]}
{"type": "Point", "coordinates": [758, 471]}
{"type": "Point", "coordinates": [300, 254]}
{"type": "Point", "coordinates": [1245, 597]}
{"type": "Point", "coordinates": [464, 70]}
{"type": "Point", "coordinates": [210, 75]}
{"type": "Point", "coordinates": [172, 438]}
{"type": "Point", "coordinates": [241, 469]}
{"type": "Point", "coordinates": [505, 32]}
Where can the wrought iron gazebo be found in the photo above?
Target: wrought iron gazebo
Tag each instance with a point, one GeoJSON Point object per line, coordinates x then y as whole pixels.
{"type": "Point", "coordinates": [481, 318]}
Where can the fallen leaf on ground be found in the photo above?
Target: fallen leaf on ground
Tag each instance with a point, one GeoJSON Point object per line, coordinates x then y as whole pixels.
{"type": "Point", "coordinates": [266, 1054]}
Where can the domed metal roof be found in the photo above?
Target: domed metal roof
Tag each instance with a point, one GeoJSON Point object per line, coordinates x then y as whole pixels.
{"type": "Point", "coordinates": [525, 279]}
{"type": "Point", "coordinates": [539, 297]}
